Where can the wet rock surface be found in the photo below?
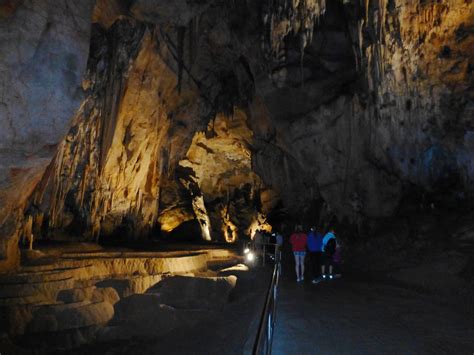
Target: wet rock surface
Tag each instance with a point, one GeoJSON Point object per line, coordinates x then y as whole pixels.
{"type": "Point", "coordinates": [173, 303]}
{"type": "Point", "coordinates": [371, 315]}
{"type": "Point", "coordinates": [392, 298]}
{"type": "Point", "coordinates": [175, 330]}
{"type": "Point", "coordinates": [194, 292]}
{"type": "Point", "coordinates": [107, 304]}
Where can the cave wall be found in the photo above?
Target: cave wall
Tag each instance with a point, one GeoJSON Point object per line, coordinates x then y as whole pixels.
{"type": "Point", "coordinates": [44, 48]}
{"type": "Point", "coordinates": [419, 74]}
{"type": "Point", "coordinates": [384, 103]}
{"type": "Point", "coordinates": [132, 129]}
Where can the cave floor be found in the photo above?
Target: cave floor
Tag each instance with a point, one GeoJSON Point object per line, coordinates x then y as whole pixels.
{"type": "Point", "coordinates": [357, 315]}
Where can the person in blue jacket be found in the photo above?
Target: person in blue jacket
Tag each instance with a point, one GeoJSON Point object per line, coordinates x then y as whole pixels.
{"type": "Point", "coordinates": [315, 241]}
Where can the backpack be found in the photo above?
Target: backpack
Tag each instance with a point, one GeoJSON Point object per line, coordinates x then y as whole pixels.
{"type": "Point", "coordinates": [330, 247]}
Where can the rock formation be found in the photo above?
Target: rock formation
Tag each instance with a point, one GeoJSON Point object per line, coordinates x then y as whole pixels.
{"type": "Point", "coordinates": [59, 302]}
{"type": "Point", "coordinates": [400, 114]}
{"type": "Point", "coordinates": [211, 115]}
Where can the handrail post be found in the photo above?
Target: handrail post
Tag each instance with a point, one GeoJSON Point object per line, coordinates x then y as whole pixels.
{"type": "Point", "coordinates": [264, 338]}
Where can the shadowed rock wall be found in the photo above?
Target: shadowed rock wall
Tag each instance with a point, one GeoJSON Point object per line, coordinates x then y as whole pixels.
{"type": "Point", "coordinates": [386, 104]}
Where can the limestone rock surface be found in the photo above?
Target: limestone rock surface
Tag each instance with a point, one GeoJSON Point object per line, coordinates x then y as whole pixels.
{"type": "Point", "coordinates": [145, 316]}
{"type": "Point", "coordinates": [194, 292]}
{"type": "Point", "coordinates": [44, 47]}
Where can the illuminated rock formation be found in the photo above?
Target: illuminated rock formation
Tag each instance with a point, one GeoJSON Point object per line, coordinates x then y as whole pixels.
{"type": "Point", "coordinates": [221, 166]}
{"type": "Point", "coordinates": [108, 169]}
{"type": "Point", "coordinates": [117, 172]}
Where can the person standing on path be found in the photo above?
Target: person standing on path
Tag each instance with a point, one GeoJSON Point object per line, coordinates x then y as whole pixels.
{"type": "Point", "coordinates": [258, 241]}
{"type": "Point", "coordinates": [337, 259]}
{"type": "Point", "coordinates": [328, 248]}
{"type": "Point", "coordinates": [279, 242]}
{"type": "Point", "coordinates": [315, 242]}
{"type": "Point", "coordinates": [298, 241]}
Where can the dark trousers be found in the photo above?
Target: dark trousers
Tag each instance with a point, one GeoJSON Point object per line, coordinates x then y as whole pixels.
{"type": "Point", "coordinates": [315, 263]}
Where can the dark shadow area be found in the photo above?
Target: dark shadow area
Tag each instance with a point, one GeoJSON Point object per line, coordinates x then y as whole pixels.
{"type": "Point", "coordinates": [369, 314]}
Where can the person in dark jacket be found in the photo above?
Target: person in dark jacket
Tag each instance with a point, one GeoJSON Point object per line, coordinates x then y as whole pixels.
{"type": "Point", "coordinates": [328, 248]}
{"type": "Point", "coordinates": [315, 241]}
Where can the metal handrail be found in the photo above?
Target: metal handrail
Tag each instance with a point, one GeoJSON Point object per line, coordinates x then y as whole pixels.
{"type": "Point", "coordinates": [263, 342]}
{"type": "Point", "coordinates": [264, 250]}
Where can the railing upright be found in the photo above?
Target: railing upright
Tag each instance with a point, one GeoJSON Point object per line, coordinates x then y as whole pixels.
{"type": "Point", "coordinates": [263, 342]}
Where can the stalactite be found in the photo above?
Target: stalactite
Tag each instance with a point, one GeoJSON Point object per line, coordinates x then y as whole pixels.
{"type": "Point", "coordinates": [300, 18]}
{"type": "Point", "coordinates": [193, 38]}
{"type": "Point", "coordinates": [27, 233]}
{"type": "Point", "coordinates": [360, 25]}
{"type": "Point", "coordinates": [196, 34]}
{"type": "Point", "coordinates": [180, 54]}
{"type": "Point", "coordinates": [302, 46]}
{"type": "Point", "coordinates": [366, 6]}
{"type": "Point", "coordinates": [83, 185]}
{"type": "Point", "coordinates": [351, 123]}
{"type": "Point", "coordinates": [382, 18]}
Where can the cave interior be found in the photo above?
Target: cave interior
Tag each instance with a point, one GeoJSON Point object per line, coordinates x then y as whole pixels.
{"type": "Point", "coordinates": [147, 122]}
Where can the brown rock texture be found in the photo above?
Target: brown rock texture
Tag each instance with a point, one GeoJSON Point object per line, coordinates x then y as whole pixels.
{"type": "Point", "coordinates": [118, 171]}
{"type": "Point", "coordinates": [109, 166]}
